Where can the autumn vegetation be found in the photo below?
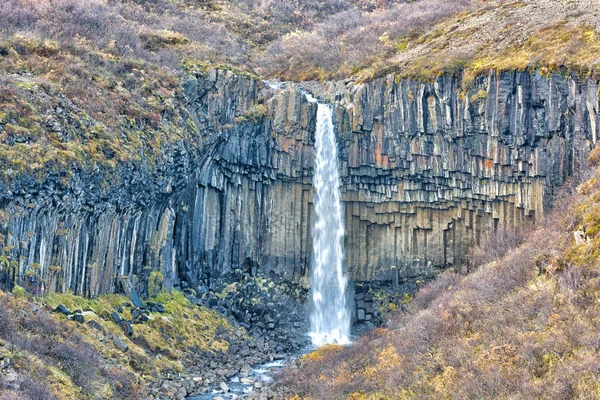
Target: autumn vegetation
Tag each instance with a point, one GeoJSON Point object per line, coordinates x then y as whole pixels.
{"type": "Point", "coordinates": [524, 323]}
{"type": "Point", "coordinates": [94, 85]}
{"type": "Point", "coordinates": [56, 358]}
{"type": "Point", "coordinates": [53, 360]}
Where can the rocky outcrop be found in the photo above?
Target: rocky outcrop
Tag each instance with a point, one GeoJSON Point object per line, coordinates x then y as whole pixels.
{"type": "Point", "coordinates": [427, 168]}
{"type": "Point", "coordinates": [430, 169]}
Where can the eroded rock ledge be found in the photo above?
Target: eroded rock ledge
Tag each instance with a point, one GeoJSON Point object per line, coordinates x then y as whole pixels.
{"type": "Point", "coordinates": [427, 168]}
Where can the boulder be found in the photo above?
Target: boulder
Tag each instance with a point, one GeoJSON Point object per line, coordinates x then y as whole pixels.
{"type": "Point", "coordinates": [78, 318]}
{"type": "Point", "coordinates": [224, 387]}
{"type": "Point", "coordinates": [115, 317]}
{"type": "Point", "coordinates": [120, 344]}
{"type": "Point", "coordinates": [96, 325]}
{"type": "Point", "coordinates": [126, 327]}
{"type": "Point", "coordinates": [62, 310]}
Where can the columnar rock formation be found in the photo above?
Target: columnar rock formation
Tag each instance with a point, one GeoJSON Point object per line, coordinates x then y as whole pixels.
{"type": "Point", "coordinates": [430, 169]}
{"type": "Point", "coordinates": [427, 169]}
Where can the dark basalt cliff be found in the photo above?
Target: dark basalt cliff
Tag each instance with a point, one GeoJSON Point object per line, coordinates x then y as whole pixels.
{"type": "Point", "coordinates": [427, 168]}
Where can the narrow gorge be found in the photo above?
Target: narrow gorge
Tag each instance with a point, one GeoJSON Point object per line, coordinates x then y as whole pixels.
{"type": "Point", "coordinates": [427, 169]}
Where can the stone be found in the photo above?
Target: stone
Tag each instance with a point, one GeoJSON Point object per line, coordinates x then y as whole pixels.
{"type": "Point", "coordinates": [126, 327]}
{"type": "Point", "coordinates": [131, 292]}
{"type": "Point", "coordinates": [120, 344]}
{"type": "Point", "coordinates": [78, 318]}
{"type": "Point", "coordinates": [224, 387]}
{"type": "Point", "coordinates": [394, 277]}
{"type": "Point", "coordinates": [62, 310]}
{"type": "Point", "coordinates": [115, 317]}
{"type": "Point", "coordinates": [425, 173]}
{"type": "Point", "coordinates": [360, 314]}
{"type": "Point", "coordinates": [579, 237]}
{"type": "Point", "coordinates": [136, 314]}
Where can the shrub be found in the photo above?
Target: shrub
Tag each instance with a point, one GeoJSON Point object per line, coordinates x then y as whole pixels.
{"type": "Point", "coordinates": [18, 291]}
{"type": "Point", "coordinates": [33, 389]}
{"type": "Point", "coordinates": [41, 345]}
{"type": "Point", "coordinates": [497, 245]}
{"type": "Point", "coordinates": [352, 38]}
{"type": "Point", "coordinates": [443, 283]}
{"type": "Point", "coordinates": [122, 384]}
{"type": "Point", "coordinates": [7, 327]}
{"type": "Point", "coordinates": [594, 157]}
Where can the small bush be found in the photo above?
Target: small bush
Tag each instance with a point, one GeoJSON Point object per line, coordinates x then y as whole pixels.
{"type": "Point", "coordinates": [7, 327]}
{"type": "Point", "coordinates": [594, 157]}
{"type": "Point", "coordinates": [33, 389]}
{"type": "Point", "coordinates": [500, 243]}
{"type": "Point", "coordinates": [40, 345]}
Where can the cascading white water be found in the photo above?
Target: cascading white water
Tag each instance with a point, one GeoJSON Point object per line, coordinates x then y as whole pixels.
{"type": "Point", "coordinates": [330, 317]}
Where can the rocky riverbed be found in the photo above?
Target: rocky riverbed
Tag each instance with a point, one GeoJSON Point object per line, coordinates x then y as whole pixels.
{"type": "Point", "coordinates": [274, 313]}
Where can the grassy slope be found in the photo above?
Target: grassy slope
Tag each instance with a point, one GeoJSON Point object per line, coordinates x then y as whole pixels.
{"type": "Point", "coordinates": [61, 358]}
{"type": "Point", "coordinates": [113, 108]}
{"type": "Point", "coordinates": [525, 325]}
{"type": "Point", "coordinates": [91, 85]}
{"type": "Point", "coordinates": [502, 35]}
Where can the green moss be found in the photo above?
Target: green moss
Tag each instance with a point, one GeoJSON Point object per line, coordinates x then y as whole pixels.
{"type": "Point", "coordinates": [402, 46]}
{"type": "Point", "coordinates": [480, 95]}
{"type": "Point", "coordinates": [155, 281]}
{"type": "Point", "coordinates": [253, 114]}
{"type": "Point", "coordinates": [193, 66]}
{"type": "Point", "coordinates": [186, 326]}
{"type": "Point", "coordinates": [101, 305]}
{"type": "Point", "coordinates": [391, 302]}
{"type": "Point", "coordinates": [30, 272]}
{"type": "Point", "coordinates": [19, 291]}
{"type": "Point", "coordinates": [183, 328]}
{"type": "Point", "coordinates": [55, 268]}
{"type": "Point", "coordinates": [231, 288]}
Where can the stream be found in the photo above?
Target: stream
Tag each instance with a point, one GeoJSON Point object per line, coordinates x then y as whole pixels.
{"type": "Point", "coordinates": [241, 384]}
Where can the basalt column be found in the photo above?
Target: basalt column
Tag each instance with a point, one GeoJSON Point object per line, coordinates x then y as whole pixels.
{"type": "Point", "coordinates": [426, 170]}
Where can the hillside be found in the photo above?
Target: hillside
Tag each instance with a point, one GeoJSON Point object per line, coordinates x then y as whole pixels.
{"type": "Point", "coordinates": [82, 80]}
{"type": "Point", "coordinates": [523, 324]}
{"type": "Point", "coordinates": [426, 38]}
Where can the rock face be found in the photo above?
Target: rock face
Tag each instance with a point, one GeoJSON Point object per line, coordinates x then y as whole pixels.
{"type": "Point", "coordinates": [427, 169]}
{"type": "Point", "coordinates": [430, 169]}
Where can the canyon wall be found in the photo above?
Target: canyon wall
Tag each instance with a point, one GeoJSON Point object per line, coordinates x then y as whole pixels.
{"type": "Point", "coordinates": [428, 169]}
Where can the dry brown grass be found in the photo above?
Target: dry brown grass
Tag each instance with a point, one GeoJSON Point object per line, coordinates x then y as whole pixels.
{"type": "Point", "coordinates": [52, 359]}
{"type": "Point", "coordinates": [502, 35]}
{"type": "Point", "coordinates": [353, 40]}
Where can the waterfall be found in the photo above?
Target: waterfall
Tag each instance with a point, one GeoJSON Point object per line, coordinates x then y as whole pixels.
{"type": "Point", "coordinates": [330, 316]}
